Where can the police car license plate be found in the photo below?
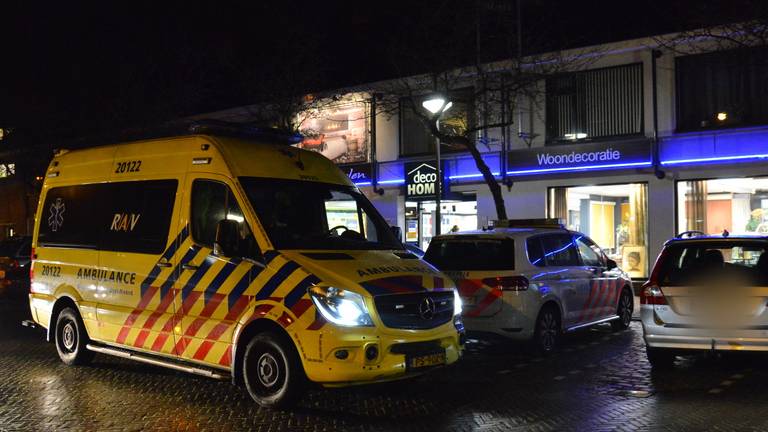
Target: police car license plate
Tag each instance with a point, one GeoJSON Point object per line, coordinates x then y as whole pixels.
{"type": "Point", "coordinates": [426, 360]}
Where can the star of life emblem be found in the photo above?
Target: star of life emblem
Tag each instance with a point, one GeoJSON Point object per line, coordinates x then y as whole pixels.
{"type": "Point", "coordinates": [56, 219]}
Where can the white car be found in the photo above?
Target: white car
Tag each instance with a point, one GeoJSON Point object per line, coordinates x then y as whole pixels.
{"type": "Point", "coordinates": [706, 293]}
{"type": "Point", "coordinates": [533, 282]}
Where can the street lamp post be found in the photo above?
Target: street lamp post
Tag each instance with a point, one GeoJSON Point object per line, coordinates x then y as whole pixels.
{"type": "Point", "coordinates": [438, 104]}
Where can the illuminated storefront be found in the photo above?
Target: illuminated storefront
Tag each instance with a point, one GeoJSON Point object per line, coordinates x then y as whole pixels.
{"type": "Point", "coordinates": [614, 216]}
{"type": "Point", "coordinates": [736, 205]}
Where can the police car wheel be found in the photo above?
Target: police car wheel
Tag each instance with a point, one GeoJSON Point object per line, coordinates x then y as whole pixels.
{"type": "Point", "coordinates": [624, 311]}
{"type": "Point", "coordinates": [272, 371]}
{"type": "Point", "coordinates": [547, 334]}
{"type": "Point", "coordinates": [71, 338]}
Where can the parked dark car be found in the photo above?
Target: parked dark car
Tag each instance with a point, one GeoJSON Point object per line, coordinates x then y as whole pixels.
{"type": "Point", "coordinates": [15, 254]}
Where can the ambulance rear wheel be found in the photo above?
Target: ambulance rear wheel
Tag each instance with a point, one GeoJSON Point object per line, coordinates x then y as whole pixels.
{"type": "Point", "coordinates": [71, 338]}
{"type": "Point", "coordinates": [272, 371]}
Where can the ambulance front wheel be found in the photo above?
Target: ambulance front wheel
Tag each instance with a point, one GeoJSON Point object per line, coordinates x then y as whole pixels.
{"type": "Point", "coordinates": [272, 371]}
{"type": "Point", "coordinates": [71, 338]}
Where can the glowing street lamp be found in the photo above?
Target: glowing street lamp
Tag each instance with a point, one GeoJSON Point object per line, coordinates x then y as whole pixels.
{"type": "Point", "coordinates": [438, 104]}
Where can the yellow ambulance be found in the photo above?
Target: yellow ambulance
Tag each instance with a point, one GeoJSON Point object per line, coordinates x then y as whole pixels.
{"type": "Point", "coordinates": [229, 253]}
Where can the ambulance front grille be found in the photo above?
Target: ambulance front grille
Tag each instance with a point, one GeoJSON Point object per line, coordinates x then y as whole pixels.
{"type": "Point", "coordinates": [412, 311]}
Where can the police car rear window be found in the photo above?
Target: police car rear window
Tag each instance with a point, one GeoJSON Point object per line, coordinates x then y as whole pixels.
{"type": "Point", "coordinates": [472, 254]}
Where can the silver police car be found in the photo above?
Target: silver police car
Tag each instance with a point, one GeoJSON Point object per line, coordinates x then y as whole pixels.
{"type": "Point", "coordinates": [706, 293]}
{"type": "Point", "coordinates": [533, 281]}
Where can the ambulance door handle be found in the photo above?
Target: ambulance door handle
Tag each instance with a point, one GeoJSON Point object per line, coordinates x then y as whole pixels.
{"type": "Point", "coordinates": [189, 267]}
{"type": "Point", "coordinates": [163, 264]}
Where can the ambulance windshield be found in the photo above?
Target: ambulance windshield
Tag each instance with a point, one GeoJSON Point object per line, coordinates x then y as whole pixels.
{"type": "Point", "coordinates": [310, 215]}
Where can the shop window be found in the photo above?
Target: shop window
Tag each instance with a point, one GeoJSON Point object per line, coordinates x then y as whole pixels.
{"type": "Point", "coordinates": [416, 139]}
{"type": "Point", "coordinates": [615, 217]}
{"type": "Point", "coordinates": [722, 89]}
{"type": "Point", "coordinates": [7, 170]}
{"type": "Point", "coordinates": [593, 104]}
{"type": "Point", "coordinates": [736, 205]}
{"type": "Point", "coordinates": [339, 132]}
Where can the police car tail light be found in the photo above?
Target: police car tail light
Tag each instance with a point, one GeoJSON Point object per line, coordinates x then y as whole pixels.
{"type": "Point", "coordinates": [341, 307]}
{"type": "Point", "coordinates": [507, 283]}
{"type": "Point", "coordinates": [652, 295]}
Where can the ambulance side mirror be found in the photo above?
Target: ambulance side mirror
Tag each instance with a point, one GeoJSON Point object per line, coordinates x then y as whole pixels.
{"type": "Point", "coordinates": [227, 238]}
{"type": "Point", "coordinates": [398, 232]}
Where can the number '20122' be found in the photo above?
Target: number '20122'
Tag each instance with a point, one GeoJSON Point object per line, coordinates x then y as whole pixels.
{"type": "Point", "coordinates": [130, 166]}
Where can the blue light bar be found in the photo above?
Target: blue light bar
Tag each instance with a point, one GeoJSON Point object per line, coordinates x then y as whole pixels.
{"type": "Point", "coordinates": [581, 168]}
{"type": "Point", "coordinates": [715, 159]}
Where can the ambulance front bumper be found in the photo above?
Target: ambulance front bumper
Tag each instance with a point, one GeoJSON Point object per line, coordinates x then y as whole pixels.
{"type": "Point", "coordinates": [367, 356]}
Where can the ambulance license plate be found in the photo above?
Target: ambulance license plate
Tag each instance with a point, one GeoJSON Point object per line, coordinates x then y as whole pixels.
{"type": "Point", "coordinates": [427, 360]}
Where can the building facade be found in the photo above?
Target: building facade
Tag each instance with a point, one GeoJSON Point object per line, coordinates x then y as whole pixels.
{"type": "Point", "coordinates": [643, 144]}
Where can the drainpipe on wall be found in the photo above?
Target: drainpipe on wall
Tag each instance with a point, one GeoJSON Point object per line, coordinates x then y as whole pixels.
{"type": "Point", "coordinates": [374, 162]}
{"type": "Point", "coordinates": [655, 54]}
{"type": "Point", "coordinates": [504, 133]}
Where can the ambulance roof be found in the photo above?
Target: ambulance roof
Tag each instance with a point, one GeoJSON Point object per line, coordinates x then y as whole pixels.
{"type": "Point", "coordinates": [158, 157]}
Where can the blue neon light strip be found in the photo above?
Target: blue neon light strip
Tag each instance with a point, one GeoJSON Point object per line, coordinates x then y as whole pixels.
{"type": "Point", "coordinates": [464, 176]}
{"type": "Point", "coordinates": [363, 184]}
{"type": "Point", "coordinates": [581, 168]}
{"type": "Point", "coordinates": [396, 181]}
{"type": "Point", "coordinates": [715, 159]}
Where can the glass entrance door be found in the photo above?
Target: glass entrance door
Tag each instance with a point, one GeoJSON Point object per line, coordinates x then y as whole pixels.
{"type": "Point", "coordinates": [456, 216]}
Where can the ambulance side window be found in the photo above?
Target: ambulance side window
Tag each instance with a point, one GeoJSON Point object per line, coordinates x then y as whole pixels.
{"type": "Point", "coordinates": [123, 216]}
{"type": "Point", "coordinates": [213, 202]}
{"type": "Point", "coordinates": [69, 215]}
{"type": "Point", "coordinates": [138, 216]}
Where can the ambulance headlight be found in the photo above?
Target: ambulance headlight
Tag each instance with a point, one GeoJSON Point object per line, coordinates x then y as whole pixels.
{"type": "Point", "coordinates": [341, 307]}
{"type": "Point", "coordinates": [456, 303]}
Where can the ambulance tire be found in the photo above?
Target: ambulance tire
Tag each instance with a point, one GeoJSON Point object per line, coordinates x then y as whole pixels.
{"type": "Point", "coordinates": [546, 336]}
{"type": "Point", "coordinates": [71, 338]}
{"type": "Point", "coordinates": [272, 371]}
{"type": "Point", "coordinates": [624, 311]}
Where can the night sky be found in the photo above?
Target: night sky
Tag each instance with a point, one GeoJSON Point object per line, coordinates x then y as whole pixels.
{"type": "Point", "coordinates": [76, 68]}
